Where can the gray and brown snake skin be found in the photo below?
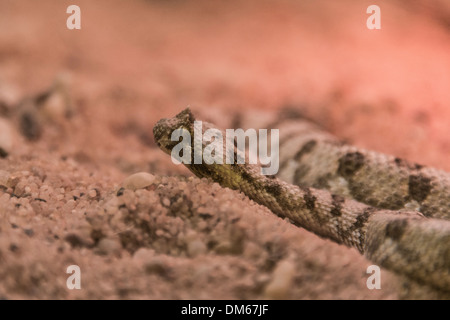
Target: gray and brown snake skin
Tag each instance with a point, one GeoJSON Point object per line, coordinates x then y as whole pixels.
{"type": "Point", "coordinates": [394, 212]}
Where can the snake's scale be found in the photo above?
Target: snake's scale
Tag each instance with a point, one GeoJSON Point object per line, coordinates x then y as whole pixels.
{"type": "Point", "coordinates": [393, 211]}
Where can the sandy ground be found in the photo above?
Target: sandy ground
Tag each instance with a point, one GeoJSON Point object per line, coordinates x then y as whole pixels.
{"type": "Point", "coordinates": [133, 62]}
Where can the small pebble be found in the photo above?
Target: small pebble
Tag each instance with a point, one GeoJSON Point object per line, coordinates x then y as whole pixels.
{"type": "Point", "coordinates": [30, 122]}
{"type": "Point", "coordinates": [155, 266]}
{"type": "Point", "coordinates": [55, 107]}
{"type": "Point", "coordinates": [224, 247]}
{"type": "Point", "coordinates": [143, 254]}
{"type": "Point", "coordinates": [4, 177]}
{"type": "Point", "coordinates": [92, 193]}
{"type": "Point", "coordinates": [283, 275]}
{"type": "Point", "coordinates": [139, 180]}
{"type": "Point", "coordinates": [166, 202]}
{"type": "Point", "coordinates": [195, 248]}
{"type": "Point", "coordinates": [108, 246]}
{"type": "Point", "coordinates": [77, 240]}
{"type": "Point", "coordinates": [29, 232]}
{"type": "Point", "coordinates": [120, 192]}
{"type": "Point", "coordinates": [6, 138]}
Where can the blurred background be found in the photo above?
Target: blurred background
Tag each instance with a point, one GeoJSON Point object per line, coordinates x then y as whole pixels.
{"type": "Point", "coordinates": [134, 62]}
{"type": "Point", "coordinates": [140, 60]}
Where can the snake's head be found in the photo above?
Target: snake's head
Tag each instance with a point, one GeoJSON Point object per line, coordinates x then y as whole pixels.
{"type": "Point", "coordinates": [162, 131]}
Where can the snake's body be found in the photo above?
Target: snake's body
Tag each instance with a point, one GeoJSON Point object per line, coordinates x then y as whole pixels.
{"type": "Point", "coordinates": [394, 212]}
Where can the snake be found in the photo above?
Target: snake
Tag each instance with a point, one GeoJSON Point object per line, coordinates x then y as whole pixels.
{"type": "Point", "coordinates": [394, 212]}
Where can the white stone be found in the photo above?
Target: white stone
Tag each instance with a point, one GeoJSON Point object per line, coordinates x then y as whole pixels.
{"type": "Point", "coordinates": [139, 180]}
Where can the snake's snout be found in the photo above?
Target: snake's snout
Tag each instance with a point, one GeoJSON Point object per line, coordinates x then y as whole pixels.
{"type": "Point", "coordinates": [163, 129]}
{"type": "Point", "coordinates": [160, 131]}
